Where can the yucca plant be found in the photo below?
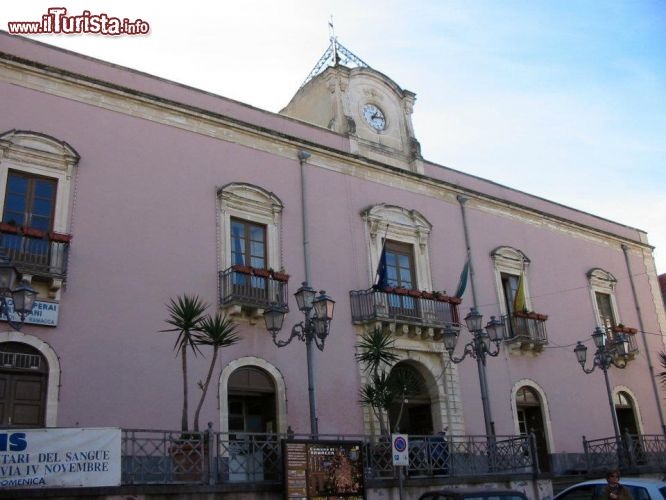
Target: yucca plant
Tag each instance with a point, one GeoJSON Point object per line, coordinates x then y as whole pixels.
{"type": "Point", "coordinates": [185, 314]}
{"type": "Point", "coordinates": [374, 350]}
{"type": "Point", "coordinates": [217, 331]}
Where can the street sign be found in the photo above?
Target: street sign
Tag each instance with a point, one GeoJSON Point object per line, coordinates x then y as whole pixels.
{"type": "Point", "coordinates": [400, 449]}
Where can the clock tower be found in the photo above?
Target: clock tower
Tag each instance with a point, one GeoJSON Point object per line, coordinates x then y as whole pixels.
{"type": "Point", "coordinates": [344, 94]}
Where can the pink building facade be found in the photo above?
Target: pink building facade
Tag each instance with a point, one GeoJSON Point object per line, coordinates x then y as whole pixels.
{"type": "Point", "coordinates": [164, 188]}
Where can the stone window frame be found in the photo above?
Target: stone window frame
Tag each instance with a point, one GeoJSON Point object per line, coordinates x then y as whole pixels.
{"type": "Point", "coordinates": [44, 156]}
{"type": "Point", "coordinates": [53, 383]}
{"type": "Point", "coordinates": [254, 204]}
{"type": "Point", "coordinates": [509, 260]}
{"type": "Point", "coordinates": [280, 391]}
{"type": "Point", "coordinates": [545, 410]}
{"type": "Point", "coordinates": [402, 225]}
{"type": "Point", "coordinates": [602, 281]}
{"type": "Point", "coordinates": [636, 407]}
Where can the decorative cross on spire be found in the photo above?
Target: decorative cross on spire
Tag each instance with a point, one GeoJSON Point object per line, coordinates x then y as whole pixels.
{"type": "Point", "coordinates": [335, 54]}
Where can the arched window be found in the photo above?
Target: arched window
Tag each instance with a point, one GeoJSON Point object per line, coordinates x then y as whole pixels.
{"type": "Point", "coordinates": [625, 410]}
{"type": "Point", "coordinates": [529, 409]}
{"type": "Point", "coordinates": [251, 401]}
{"type": "Point", "coordinates": [23, 386]}
{"type": "Point", "coordinates": [411, 411]}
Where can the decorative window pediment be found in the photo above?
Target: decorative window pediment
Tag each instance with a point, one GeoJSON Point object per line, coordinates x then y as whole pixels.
{"type": "Point", "coordinates": [255, 204]}
{"type": "Point", "coordinates": [401, 225]}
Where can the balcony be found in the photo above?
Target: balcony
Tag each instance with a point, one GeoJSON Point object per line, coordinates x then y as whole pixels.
{"type": "Point", "coordinates": [246, 290]}
{"type": "Point", "coordinates": [405, 311]}
{"type": "Point", "coordinates": [526, 331]}
{"type": "Point", "coordinates": [613, 334]}
{"type": "Point", "coordinates": [34, 252]}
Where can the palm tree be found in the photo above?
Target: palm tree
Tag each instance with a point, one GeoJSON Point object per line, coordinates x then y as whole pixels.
{"type": "Point", "coordinates": [373, 351]}
{"type": "Point", "coordinates": [217, 331]}
{"type": "Point", "coordinates": [185, 314]}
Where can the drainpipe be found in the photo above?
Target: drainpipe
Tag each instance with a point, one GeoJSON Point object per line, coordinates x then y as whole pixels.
{"type": "Point", "coordinates": [653, 377]}
{"type": "Point", "coordinates": [480, 360]}
{"type": "Point", "coordinates": [314, 424]}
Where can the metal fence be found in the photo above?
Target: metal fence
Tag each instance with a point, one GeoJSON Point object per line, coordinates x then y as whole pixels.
{"type": "Point", "coordinates": [36, 255]}
{"type": "Point", "coordinates": [629, 452]}
{"type": "Point", "coordinates": [208, 457]}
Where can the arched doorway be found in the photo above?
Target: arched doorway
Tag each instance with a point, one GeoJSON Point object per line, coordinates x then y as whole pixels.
{"type": "Point", "coordinates": [530, 420]}
{"type": "Point", "coordinates": [411, 411]}
{"type": "Point", "coordinates": [626, 416]}
{"type": "Point", "coordinates": [251, 401]}
{"type": "Point", "coordinates": [23, 386]}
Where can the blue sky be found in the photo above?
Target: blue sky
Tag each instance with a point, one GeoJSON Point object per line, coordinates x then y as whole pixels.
{"type": "Point", "coordinates": [562, 99]}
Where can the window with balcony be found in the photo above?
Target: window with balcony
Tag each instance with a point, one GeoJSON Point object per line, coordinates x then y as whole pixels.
{"type": "Point", "coordinates": [602, 289]}
{"type": "Point", "coordinates": [36, 178]}
{"type": "Point", "coordinates": [525, 328]}
{"type": "Point", "coordinates": [404, 299]}
{"type": "Point", "coordinates": [251, 275]}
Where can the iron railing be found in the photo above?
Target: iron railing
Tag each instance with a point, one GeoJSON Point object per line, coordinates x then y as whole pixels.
{"type": "Point", "coordinates": [526, 329]}
{"type": "Point", "coordinates": [614, 338]}
{"type": "Point", "coordinates": [42, 256]}
{"type": "Point", "coordinates": [629, 452]}
{"type": "Point", "coordinates": [217, 458]}
{"type": "Point", "coordinates": [250, 290]}
{"type": "Point", "coordinates": [374, 305]}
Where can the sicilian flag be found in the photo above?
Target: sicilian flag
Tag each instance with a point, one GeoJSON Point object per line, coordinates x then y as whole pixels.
{"type": "Point", "coordinates": [381, 278]}
{"type": "Point", "coordinates": [462, 282]}
{"type": "Point", "coordinates": [519, 301]}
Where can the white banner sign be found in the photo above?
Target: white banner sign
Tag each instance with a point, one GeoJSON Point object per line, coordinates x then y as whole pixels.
{"type": "Point", "coordinates": [400, 449]}
{"type": "Point", "coordinates": [43, 313]}
{"type": "Point", "coordinates": [47, 458]}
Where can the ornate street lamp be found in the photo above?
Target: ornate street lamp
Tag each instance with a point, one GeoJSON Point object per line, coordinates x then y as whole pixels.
{"type": "Point", "coordinates": [22, 296]}
{"type": "Point", "coordinates": [604, 359]}
{"type": "Point", "coordinates": [483, 344]}
{"type": "Point", "coordinates": [318, 312]}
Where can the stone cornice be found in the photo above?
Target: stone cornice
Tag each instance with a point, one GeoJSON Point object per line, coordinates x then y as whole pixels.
{"type": "Point", "coordinates": [62, 83]}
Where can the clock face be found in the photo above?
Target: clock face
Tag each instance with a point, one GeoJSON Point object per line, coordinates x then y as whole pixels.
{"type": "Point", "coordinates": [374, 116]}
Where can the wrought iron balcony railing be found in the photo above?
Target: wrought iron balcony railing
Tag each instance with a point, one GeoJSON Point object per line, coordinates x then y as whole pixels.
{"type": "Point", "coordinates": [613, 335]}
{"type": "Point", "coordinates": [373, 305]}
{"type": "Point", "coordinates": [528, 330]}
{"type": "Point", "coordinates": [250, 290]}
{"type": "Point", "coordinates": [42, 254]}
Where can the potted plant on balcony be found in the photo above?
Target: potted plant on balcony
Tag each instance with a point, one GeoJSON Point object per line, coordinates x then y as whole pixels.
{"type": "Point", "coordinates": [31, 231]}
{"type": "Point", "coordinates": [60, 237]}
{"type": "Point", "coordinates": [414, 293]}
{"type": "Point", "coordinates": [440, 296]}
{"type": "Point", "coordinates": [9, 227]}
{"type": "Point", "coordinates": [624, 329]}
{"type": "Point", "coordinates": [241, 268]}
{"type": "Point", "coordinates": [400, 290]}
{"type": "Point", "coordinates": [427, 295]}
{"type": "Point", "coordinates": [280, 276]}
{"type": "Point", "coordinates": [262, 273]}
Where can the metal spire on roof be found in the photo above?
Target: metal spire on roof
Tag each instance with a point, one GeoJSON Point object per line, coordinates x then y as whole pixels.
{"type": "Point", "coordinates": [335, 54]}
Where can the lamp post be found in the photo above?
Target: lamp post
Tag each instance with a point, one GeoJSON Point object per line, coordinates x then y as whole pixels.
{"type": "Point", "coordinates": [604, 360]}
{"type": "Point", "coordinates": [478, 348]}
{"type": "Point", "coordinates": [22, 296]}
{"type": "Point", "coordinates": [318, 312]}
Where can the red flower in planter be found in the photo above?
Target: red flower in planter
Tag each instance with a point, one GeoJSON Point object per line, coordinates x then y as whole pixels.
{"type": "Point", "coordinates": [400, 291]}
{"type": "Point", "coordinates": [278, 276]}
{"type": "Point", "coordinates": [624, 329]}
{"type": "Point", "coordinates": [414, 293]}
{"type": "Point", "coordinates": [240, 268]}
{"type": "Point", "coordinates": [443, 298]}
{"type": "Point", "coordinates": [8, 228]}
{"type": "Point", "coordinates": [520, 314]}
{"type": "Point", "coordinates": [263, 273]}
{"type": "Point", "coordinates": [542, 317]}
{"type": "Point", "coordinates": [59, 237]}
{"type": "Point", "coordinates": [388, 289]}
{"type": "Point", "coordinates": [36, 233]}
{"type": "Point", "coordinates": [455, 300]}
{"type": "Point", "coordinates": [427, 295]}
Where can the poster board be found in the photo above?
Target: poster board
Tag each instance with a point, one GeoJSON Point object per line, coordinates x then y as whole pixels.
{"type": "Point", "coordinates": [316, 470]}
{"type": "Point", "coordinates": [58, 457]}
